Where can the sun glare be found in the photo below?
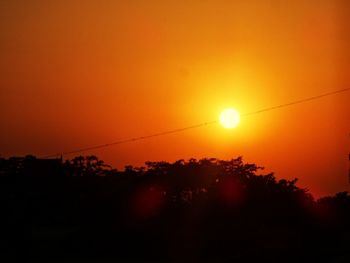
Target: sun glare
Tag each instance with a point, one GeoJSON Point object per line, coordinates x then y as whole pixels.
{"type": "Point", "coordinates": [229, 118]}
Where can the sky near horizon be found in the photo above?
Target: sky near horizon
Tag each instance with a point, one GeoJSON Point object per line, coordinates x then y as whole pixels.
{"type": "Point", "coordinates": [75, 74]}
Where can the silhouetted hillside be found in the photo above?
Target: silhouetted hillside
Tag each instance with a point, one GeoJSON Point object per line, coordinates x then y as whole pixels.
{"type": "Point", "coordinates": [187, 211]}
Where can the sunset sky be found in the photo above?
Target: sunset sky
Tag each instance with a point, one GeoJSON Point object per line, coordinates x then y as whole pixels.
{"type": "Point", "coordinates": [75, 74]}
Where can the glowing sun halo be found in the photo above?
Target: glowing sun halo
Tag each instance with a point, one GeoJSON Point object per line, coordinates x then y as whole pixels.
{"type": "Point", "coordinates": [229, 118]}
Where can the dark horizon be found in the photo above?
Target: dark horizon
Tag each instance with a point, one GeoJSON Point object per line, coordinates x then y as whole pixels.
{"type": "Point", "coordinates": [62, 160]}
{"type": "Point", "coordinates": [207, 210]}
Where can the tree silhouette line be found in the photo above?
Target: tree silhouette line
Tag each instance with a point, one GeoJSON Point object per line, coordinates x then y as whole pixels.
{"type": "Point", "coordinates": [185, 211]}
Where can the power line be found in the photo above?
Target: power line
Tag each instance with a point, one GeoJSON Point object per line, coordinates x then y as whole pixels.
{"type": "Point", "coordinates": [197, 125]}
{"type": "Point", "coordinates": [132, 139]}
{"type": "Point", "coordinates": [297, 102]}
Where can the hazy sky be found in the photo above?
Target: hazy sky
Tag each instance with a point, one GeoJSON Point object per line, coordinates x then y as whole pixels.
{"type": "Point", "coordinates": [79, 73]}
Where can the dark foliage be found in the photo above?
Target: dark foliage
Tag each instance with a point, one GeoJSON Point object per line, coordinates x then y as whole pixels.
{"type": "Point", "coordinates": [186, 211]}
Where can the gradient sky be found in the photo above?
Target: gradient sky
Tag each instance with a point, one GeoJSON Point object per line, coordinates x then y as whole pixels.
{"type": "Point", "coordinates": [79, 73]}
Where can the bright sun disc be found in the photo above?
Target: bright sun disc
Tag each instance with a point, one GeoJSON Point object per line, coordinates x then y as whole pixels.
{"type": "Point", "coordinates": [229, 118]}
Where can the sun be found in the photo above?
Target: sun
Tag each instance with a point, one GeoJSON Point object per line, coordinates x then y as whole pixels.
{"type": "Point", "coordinates": [229, 118]}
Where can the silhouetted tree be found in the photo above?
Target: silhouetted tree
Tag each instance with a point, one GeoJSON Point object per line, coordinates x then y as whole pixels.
{"type": "Point", "coordinates": [189, 210]}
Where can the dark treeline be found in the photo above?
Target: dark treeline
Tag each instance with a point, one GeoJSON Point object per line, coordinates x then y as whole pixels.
{"type": "Point", "coordinates": [187, 211]}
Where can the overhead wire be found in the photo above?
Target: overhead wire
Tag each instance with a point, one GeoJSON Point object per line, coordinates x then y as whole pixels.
{"type": "Point", "coordinates": [133, 139]}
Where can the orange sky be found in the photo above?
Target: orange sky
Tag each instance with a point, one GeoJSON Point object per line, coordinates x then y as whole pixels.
{"type": "Point", "coordinates": [79, 73]}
